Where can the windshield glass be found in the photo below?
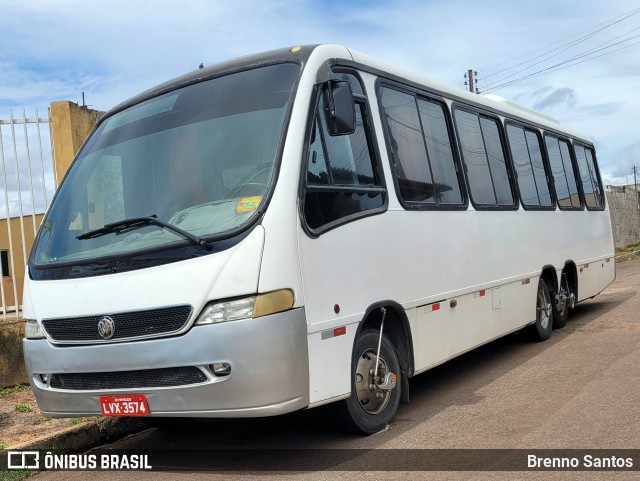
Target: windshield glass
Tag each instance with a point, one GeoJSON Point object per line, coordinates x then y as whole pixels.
{"type": "Point", "coordinates": [200, 158]}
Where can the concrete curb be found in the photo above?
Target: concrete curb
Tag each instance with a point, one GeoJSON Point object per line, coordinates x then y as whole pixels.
{"type": "Point", "coordinates": [84, 436]}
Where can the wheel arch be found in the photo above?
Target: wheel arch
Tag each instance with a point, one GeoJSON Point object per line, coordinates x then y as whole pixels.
{"type": "Point", "coordinates": [571, 271]}
{"type": "Point", "coordinates": [396, 327]}
{"type": "Point", "coordinates": [550, 277]}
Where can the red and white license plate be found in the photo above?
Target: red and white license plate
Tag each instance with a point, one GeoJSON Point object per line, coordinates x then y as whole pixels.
{"type": "Point", "coordinates": [124, 405]}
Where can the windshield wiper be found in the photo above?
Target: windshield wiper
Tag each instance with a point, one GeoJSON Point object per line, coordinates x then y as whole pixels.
{"type": "Point", "coordinates": [127, 225]}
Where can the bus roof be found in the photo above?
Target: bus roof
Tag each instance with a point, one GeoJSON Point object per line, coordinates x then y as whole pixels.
{"type": "Point", "coordinates": [326, 52]}
{"type": "Point", "coordinates": [489, 101]}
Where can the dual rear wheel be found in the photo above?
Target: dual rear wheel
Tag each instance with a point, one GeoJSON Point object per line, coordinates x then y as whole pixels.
{"type": "Point", "coordinates": [563, 302]}
{"type": "Point", "coordinates": [541, 329]}
{"type": "Point", "coordinates": [552, 310]}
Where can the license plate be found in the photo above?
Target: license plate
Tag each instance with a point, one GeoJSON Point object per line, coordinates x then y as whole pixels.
{"type": "Point", "coordinates": [124, 405]}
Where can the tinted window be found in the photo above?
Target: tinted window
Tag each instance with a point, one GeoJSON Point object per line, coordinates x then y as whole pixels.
{"type": "Point", "coordinates": [317, 171]}
{"type": "Point", "coordinates": [497, 164]}
{"type": "Point", "coordinates": [407, 147]}
{"type": "Point", "coordinates": [340, 173]}
{"type": "Point", "coordinates": [563, 175]}
{"type": "Point", "coordinates": [588, 177]}
{"type": "Point", "coordinates": [436, 134]}
{"type": "Point", "coordinates": [324, 207]}
{"type": "Point", "coordinates": [483, 155]}
{"type": "Point", "coordinates": [529, 165]}
{"type": "Point", "coordinates": [421, 150]}
{"type": "Point", "coordinates": [349, 157]}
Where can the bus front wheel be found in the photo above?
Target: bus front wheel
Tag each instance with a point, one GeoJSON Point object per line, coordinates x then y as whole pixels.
{"type": "Point", "coordinates": [375, 394]}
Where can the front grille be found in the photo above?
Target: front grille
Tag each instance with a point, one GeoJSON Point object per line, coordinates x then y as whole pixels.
{"type": "Point", "coordinates": [148, 378]}
{"type": "Point", "coordinates": [137, 324]}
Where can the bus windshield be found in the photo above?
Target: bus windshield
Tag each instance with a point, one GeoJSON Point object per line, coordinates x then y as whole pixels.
{"type": "Point", "coordinates": [200, 158]}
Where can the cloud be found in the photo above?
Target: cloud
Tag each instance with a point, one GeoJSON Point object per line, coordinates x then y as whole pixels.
{"type": "Point", "coordinates": [114, 49]}
{"type": "Point", "coordinates": [564, 96]}
{"type": "Point", "coordinates": [603, 109]}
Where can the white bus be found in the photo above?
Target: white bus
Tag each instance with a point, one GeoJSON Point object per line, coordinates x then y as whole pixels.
{"type": "Point", "coordinates": [301, 227]}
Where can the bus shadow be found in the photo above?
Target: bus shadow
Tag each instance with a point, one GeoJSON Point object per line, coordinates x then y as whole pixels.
{"type": "Point", "coordinates": [431, 391]}
{"type": "Point", "coordinates": [454, 383]}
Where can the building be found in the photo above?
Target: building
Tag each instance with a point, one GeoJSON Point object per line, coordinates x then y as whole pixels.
{"type": "Point", "coordinates": [13, 255]}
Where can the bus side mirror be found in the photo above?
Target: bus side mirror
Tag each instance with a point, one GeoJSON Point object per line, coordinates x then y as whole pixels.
{"type": "Point", "coordinates": [340, 107]}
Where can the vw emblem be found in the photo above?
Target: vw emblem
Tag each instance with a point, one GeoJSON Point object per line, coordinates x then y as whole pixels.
{"type": "Point", "coordinates": [106, 327]}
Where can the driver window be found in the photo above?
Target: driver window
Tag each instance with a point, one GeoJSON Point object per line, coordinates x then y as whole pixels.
{"type": "Point", "coordinates": [342, 177]}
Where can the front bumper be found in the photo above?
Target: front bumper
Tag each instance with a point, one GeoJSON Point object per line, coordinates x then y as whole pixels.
{"type": "Point", "coordinates": [268, 357]}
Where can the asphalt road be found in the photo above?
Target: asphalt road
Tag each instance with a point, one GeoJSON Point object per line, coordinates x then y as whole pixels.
{"type": "Point", "coordinates": [578, 390]}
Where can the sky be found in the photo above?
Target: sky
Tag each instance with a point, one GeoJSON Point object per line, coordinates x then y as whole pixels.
{"type": "Point", "coordinates": [112, 50]}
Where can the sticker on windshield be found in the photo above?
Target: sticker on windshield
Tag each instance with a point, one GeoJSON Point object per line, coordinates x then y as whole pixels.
{"type": "Point", "coordinates": [248, 204]}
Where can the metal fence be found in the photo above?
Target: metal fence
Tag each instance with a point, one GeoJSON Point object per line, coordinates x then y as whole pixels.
{"type": "Point", "coordinates": [27, 185]}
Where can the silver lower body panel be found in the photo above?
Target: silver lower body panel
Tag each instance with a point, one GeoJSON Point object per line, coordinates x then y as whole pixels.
{"type": "Point", "coordinates": [268, 358]}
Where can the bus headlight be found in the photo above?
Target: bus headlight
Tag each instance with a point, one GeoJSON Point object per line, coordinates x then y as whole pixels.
{"type": "Point", "coordinates": [247, 307]}
{"type": "Point", "coordinates": [33, 330]}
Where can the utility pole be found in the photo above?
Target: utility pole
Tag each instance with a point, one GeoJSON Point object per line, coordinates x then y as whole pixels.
{"type": "Point", "coordinates": [471, 81]}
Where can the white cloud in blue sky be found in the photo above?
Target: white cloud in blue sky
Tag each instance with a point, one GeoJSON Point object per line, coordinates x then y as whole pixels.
{"type": "Point", "coordinates": [112, 50]}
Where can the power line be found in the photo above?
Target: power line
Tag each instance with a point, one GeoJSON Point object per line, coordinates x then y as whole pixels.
{"type": "Point", "coordinates": [549, 54]}
{"type": "Point", "coordinates": [599, 27]}
{"type": "Point", "coordinates": [595, 49]}
{"type": "Point", "coordinates": [559, 66]}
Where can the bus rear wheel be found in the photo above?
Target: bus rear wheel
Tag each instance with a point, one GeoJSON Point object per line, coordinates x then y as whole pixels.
{"type": "Point", "coordinates": [562, 302]}
{"type": "Point", "coordinates": [373, 402]}
{"type": "Point", "coordinates": [541, 329]}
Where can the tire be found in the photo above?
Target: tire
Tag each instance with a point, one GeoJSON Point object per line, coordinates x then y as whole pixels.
{"type": "Point", "coordinates": [561, 303]}
{"type": "Point", "coordinates": [365, 412]}
{"type": "Point", "coordinates": [541, 329]}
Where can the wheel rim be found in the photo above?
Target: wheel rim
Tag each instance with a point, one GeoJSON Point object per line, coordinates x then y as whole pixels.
{"type": "Point", "coordinates": [563, 298]}
{"type": "Point", "coordinates": [371, 399]}
{"type": "Point", "coordinates": [544, 306]}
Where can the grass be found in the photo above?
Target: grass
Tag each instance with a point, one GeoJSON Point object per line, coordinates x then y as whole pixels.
{"type": "Point", "coordinates": [631, 248]}
{"type": "Point", "coordinates": [628, 253]}
{"type": "Point", "coordinates": [17, 475]}
{"type": "Point", "coordinates": [5, 391]}
{"type": "Point", "coordinates": [3, 446]}
{"type": "Point", "coordinates": [22, 408]}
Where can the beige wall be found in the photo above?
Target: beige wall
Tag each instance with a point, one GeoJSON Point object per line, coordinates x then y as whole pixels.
{"type": "Point", "coordinates": [18, 254]}
{"type": "Point", "coordinates": [70, 126]}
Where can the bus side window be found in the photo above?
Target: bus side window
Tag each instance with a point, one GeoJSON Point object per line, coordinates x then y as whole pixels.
{"type": "Point", "coordinates": [341, 179]}
{"type": "Point", "coordinates": [589, 177]}
{"type": "Point", "coordinates": [564, 179]}
{"type": "Point", "coordinates": [483, 154]}
{"type": "Point", "coordinates": [420, 146]}
{"type": "Point", "coordinates": [526, 152]}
